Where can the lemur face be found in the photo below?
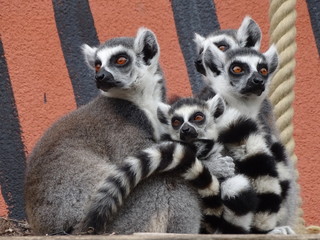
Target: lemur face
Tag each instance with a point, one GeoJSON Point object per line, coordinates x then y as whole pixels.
{"type": "Point", "coordinates": [188, 122]}
{"type": "Point", "coordinates": [241, 72]}
{"type": "Point", "coordinates": [191, 119]}
{"type": "Point", "coordinates": [248, 35]}
{"type": "Point", "coordinates": [114, 66]}
{"type": "Point", "coordinates": [224, 40]}
{"type": "Point", "coordinates": [120, 62]}
{"type": "Point", "coordinates": [247, 72]}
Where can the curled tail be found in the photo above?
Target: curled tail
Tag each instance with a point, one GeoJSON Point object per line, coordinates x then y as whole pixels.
{"type": "Point", "coordinates": [259, 164]}
{"type": "Point", "coordinates": [286, 177]}
{"type": "Point", "coordinates": [163, 157]}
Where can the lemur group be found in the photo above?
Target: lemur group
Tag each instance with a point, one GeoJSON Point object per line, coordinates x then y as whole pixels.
{"type": "Point", "coordinates": [128, 161]}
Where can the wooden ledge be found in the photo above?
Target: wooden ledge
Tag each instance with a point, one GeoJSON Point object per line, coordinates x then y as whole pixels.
{"type": "Point", "coordinates": [160, 236]}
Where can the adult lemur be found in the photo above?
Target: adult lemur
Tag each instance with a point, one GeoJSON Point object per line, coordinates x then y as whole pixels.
{"type": "Point", "coordinates": [248, 95]}
{"type": "Point", "coordinates": [73, 158]}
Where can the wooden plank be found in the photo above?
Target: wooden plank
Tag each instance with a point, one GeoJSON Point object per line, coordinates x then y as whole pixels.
{"type": "Point", "coordinates": [159, 236]}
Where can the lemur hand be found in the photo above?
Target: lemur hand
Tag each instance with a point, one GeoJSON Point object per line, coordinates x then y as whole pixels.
{"type": "Point", "coordinates": [220, 166]}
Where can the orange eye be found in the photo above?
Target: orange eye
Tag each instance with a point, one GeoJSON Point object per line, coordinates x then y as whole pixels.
{"type": "Point", "coordinates": [176, 123]}
{"type": "Point", "coordinates": [198, 117]}
{"type": "Point", "coordinates": [264, 71]}
{"type": "Point", "coordinates": [97, 67]}
{"type": "Point", "coordinates": [237, 69]}
{"type": "Point", "coordinates": [222, 48]}
{"type": "Point", "coordinates": [121, 60]}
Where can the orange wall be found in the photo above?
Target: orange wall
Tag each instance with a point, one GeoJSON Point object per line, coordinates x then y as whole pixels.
{"type": "Point", "coordinates": [37, 67]}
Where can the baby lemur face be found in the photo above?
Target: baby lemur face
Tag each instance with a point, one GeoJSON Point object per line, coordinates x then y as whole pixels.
{"type": "Point", "coordinates": [190, 119]}
{"type": "Point", "coordinates": [189, 122]}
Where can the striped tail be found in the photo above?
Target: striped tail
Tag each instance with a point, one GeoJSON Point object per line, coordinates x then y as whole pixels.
{"type": "Point", "coordinates": [284, 172]}
{"type": "Point", "coordinates": [232, 211]}
{"type": "Point", "coordinates": [259, 165]}
{"type": "Point", "coordinates": [163, 157]}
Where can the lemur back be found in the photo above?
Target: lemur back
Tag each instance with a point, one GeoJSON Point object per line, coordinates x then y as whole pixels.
{"type": "Point", "coordinates": [70, 162]}
{"type": "Point", "coordinates": [250, 200]}
{"type": "Point", "coordinates": [251, 102]}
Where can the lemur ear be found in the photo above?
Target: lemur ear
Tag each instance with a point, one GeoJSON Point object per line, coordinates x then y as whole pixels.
{"type": "Point", "coordinates": [249, 34]}
{"type": "Point", "coordinates": [217, 106]}
{"type": "Point", "coordinates": [271, 56]}
{"type": "Point", "coordinates": [147, 46]}
{"type": "Point", "coordinates": [89, 54]}
{"type": "Point", "coordinates": [199, 40]}
{"type": "Point", "coordinates": [163, 113]}
{"type": "Point", "coordinates": [213, 59]}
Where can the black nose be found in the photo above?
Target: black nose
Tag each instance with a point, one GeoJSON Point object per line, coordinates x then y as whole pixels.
{"type": "Point", "coordinates": [188, 133]}
{"type": "Point", "coordinates": [185, 129]}
{"type": "Point", "coordinates": [104, 80]}
{"type": "Point", "coordinates": [104, 75]}
{"type": "Point", "coordinates": [100, 76]}
{"type": "Point", "coordinates": [258, 81]}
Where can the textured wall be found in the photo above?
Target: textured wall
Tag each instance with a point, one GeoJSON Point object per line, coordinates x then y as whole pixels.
{"type": "Point", "coordinates": [43, 75]}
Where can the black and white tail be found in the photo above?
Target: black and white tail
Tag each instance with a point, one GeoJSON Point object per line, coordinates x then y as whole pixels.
{"type": "Point", "coordinates": [163, 157]}
{"type": "Point", "coordinates": [284, 172]}
{"type": "Point", "coordinates": [257, 163]}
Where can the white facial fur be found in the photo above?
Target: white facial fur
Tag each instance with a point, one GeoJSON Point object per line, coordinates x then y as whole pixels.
{"type": "Point", "coordinates": [219, 79]}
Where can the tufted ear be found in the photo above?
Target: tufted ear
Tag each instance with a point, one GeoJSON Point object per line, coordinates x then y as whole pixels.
{"type": "Point", "coordinates": [89, 54]}
{"type": "Point", "coordinates": [163, 113]}
{"type": "Point", "coordinates": [271, 56]}
{"type": "Point", "coordinates": [249, 34]}
{"type": "Point", "coordinates": [217, 106]}
{"type": "Point", "coordinates": [199, 41]}
{"type": "Point", "coordinates": [146, 45]}
{"type": "Point", "coordinates": [213, 59]}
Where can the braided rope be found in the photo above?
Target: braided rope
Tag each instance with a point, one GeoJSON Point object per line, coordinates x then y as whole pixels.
{"type": "Point", "coordinates": [282, 14]}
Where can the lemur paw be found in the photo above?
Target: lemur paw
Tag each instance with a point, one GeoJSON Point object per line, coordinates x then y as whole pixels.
{"type": "Point", "coordinates": [220, 166]}
{"type": "Point", "coordinates": [283, 230]}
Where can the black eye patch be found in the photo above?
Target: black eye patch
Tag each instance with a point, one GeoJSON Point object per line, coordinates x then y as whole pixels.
{"type": "Point", "coordinates": [197, 118]}
{"type": "Point", "coordinates": [97, 62]}
{"type": "Point", "coordinates": [222, 45]}
{"type": "Point", "coordinates": [236, 65]}
{"type": "Point", "coordinates": [176, 122]}
{"type": "Point", "coordinates": [262, 66]}
{"type": "Point", "coordinates": [115, 57]}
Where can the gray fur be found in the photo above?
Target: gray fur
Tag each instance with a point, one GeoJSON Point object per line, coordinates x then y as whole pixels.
{"type": "Point", "coordinates": [79, 151]}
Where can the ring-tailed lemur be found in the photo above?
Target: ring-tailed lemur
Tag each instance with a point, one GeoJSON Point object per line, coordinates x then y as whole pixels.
{"type": "Point", "coordinates": [242, 209]}
{"type": "Point", "coordinates": [250, 102]}
{"type": "Point", "coordinates": [79, 151]}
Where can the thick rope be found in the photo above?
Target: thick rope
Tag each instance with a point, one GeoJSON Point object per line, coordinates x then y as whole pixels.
{"type": "Point", "coordinates": [282, 14]}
